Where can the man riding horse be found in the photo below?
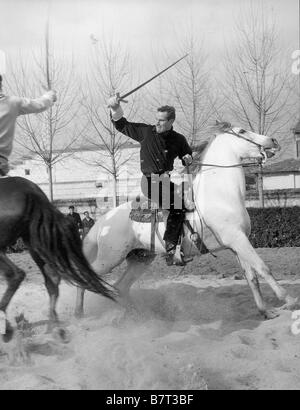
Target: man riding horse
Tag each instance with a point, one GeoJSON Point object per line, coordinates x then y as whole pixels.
{"type": "Point", "coordinates": [10, 108]}
{"type": "Point", "coordinates": [160, 145]}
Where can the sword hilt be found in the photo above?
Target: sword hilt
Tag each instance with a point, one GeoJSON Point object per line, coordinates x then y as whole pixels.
{"type": "Point", "coordinates": [120, 99]}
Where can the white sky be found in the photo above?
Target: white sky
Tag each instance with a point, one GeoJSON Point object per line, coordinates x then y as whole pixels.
{"type": "Point", "coordinates": [145, 26]}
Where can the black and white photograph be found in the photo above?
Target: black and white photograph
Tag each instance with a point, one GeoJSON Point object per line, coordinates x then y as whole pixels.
{"type": "Point", "coordinates": [150, 198]}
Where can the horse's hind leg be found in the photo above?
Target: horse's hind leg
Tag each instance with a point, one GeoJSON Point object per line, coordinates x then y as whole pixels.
{"type": "Point", "coordinates": [52, 281]}
{"type": "Point", "coordinates": [14, 277]}
{"type": "Point", "coordinates": [138, 261]}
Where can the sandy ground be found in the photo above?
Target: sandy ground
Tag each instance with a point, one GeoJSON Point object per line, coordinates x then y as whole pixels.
{"type": "Point", "coordinates": [193, 328]}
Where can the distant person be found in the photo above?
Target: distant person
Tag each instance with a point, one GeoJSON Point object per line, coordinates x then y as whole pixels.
{"type": "Point", "coordinates": [76, 218]}
{"type": "Point", "coordinates": [10, 108]}
{"type": "Point", "coordinates": [87, 223]}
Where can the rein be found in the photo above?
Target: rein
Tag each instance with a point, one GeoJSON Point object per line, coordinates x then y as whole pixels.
{"type": "Point", "coordinates": [247, 164]}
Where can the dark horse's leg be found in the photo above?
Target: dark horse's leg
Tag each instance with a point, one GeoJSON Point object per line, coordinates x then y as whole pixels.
{"type": "Point", "coordinates": [52, 281]}
{"type": "Point", "coordinates": [14, 277]}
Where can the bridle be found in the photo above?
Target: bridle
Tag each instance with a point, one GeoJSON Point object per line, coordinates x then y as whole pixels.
{"type": "Point", "coordinates": [247, 164]}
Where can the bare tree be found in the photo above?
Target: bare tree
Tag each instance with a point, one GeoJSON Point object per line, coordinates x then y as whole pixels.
{"type": "Point", "coordinates": [257, 86]}
{"type": "Point", "coordinates": [110, 72]}
{"type": "Point", "coordinates": [50, 135]}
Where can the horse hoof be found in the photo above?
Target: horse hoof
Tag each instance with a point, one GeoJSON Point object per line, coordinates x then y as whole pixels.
{"type": "Point", "coordinates": [62, 335]}
{"type": "Point", "coordinates": [8, 335]}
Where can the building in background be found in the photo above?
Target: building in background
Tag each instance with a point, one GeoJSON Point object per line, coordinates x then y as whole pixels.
{"type": "Point", "coordinates": [281, 179]}
{"type": "Point", "coordinates": [78, 179]}
{"type": "Point", "coordinates": [284, 174]}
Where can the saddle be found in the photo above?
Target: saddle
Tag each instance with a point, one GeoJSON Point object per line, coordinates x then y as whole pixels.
{"type": "Point", "coordinates": [144, 211]}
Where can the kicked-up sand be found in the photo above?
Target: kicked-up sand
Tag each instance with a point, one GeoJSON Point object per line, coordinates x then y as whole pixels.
{"type": "Point", "coordinates": [192, 328]}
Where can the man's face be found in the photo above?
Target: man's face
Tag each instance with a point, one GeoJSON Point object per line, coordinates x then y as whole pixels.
{"type": "Point", "coordinates": [86, 214]}
{"type": "Point", "coordinates": [71, 210]}
{"type": "Point", "coordinates": [162, 122]}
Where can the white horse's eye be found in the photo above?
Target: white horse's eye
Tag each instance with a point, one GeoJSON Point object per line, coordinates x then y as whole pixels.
{"type": "Point", "coordinates": [242, 131]}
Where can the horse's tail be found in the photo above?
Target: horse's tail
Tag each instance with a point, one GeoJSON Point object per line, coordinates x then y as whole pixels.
{"type": "Point", "coordinates": [55, 238]}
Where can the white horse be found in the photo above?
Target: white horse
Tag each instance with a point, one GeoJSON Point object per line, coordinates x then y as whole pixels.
{"type": "Point", "coordinates": [220, 218]}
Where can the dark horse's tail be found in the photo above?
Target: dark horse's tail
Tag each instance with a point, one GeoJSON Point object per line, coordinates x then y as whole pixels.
{"type": "Point", "coordinates": [55, 238]}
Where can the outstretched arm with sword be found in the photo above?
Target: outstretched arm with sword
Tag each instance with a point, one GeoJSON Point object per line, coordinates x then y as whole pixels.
{"type": "Point", "coordinates": [117, 111]}
{"type": "Point", "coordinates": [160, 145]}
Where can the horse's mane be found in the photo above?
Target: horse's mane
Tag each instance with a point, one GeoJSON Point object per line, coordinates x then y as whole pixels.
{"type": "Point", "coordinates": [200, 150]}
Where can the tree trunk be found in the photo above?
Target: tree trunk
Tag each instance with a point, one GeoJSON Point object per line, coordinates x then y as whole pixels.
{"type": "Point", "coordinates": [50, 179]}
{"type": "Point", "coordinates": [260, 187]}
{"type": "Point", "coordinates": [114, 191]}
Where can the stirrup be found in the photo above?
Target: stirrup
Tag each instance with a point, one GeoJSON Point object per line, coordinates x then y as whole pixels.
{"type": "Point", "coordinates": [174, 257]}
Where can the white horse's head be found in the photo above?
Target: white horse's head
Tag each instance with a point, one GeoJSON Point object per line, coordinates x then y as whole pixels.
{"type": "Point", "coordinates": [248, 144]}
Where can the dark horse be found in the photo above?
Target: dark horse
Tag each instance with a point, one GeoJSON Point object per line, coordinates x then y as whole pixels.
{"type": "Point", "coordinates": [52, 240]}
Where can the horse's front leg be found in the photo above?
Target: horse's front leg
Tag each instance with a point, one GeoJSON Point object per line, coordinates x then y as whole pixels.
{"type": "Point", "coordinates": [253, 283]}
{"type": "Point", "coordinates": [253, 265]}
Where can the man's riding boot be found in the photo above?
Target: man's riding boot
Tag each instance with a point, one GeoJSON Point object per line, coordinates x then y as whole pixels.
{"type": "Point", "coordinates": [173, 257]}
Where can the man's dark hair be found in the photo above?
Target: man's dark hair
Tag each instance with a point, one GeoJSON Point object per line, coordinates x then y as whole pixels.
{"type": "Point", "coordinates": [169, 110]}
{"type": "Point", "coordinates": [71, 207]}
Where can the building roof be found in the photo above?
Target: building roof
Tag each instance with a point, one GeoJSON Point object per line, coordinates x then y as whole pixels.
{"type": "Point", "coordinates": [288, 165]}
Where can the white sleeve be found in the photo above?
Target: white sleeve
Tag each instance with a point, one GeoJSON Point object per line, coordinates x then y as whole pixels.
{"type": "Point", "coordinates": [117, 113]}
{"type": "Point", "coordinates": [36, 105]}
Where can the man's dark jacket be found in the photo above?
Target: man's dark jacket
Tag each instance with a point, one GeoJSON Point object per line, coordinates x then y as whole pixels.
{"type": "Point", "coordinates": [158, 151]}
{"type": "Point", "coordinates": [87, 225]}
{"type": "Point", "coordinates": [76, 218]}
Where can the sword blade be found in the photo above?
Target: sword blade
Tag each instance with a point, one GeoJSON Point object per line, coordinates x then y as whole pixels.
{"type": "Point", "coordinates": [152, 78]}
{"type": "Point", "coordinates": [47, 54]}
